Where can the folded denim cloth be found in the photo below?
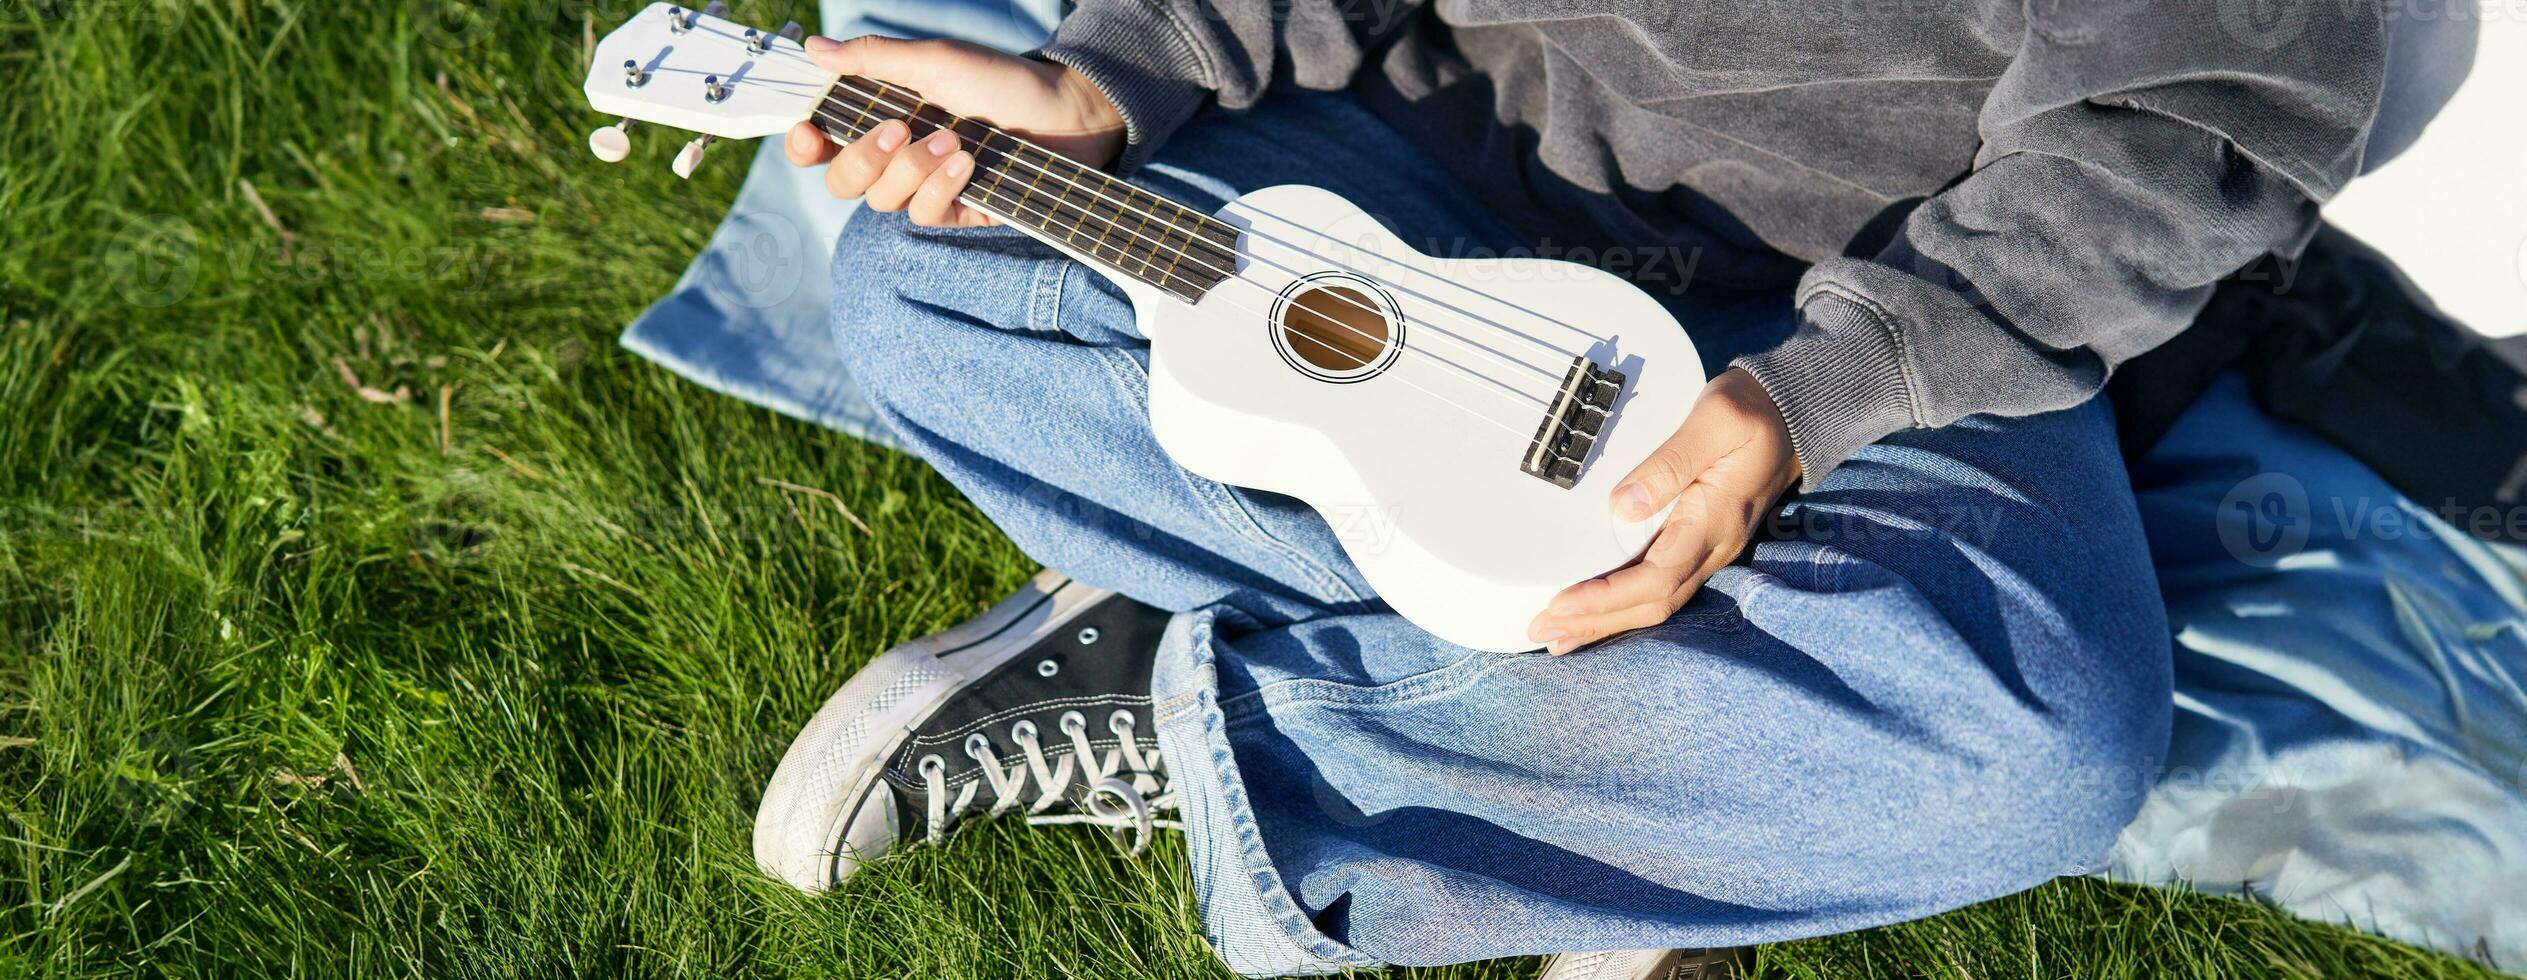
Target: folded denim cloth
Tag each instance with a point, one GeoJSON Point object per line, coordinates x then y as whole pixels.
{"type": "Point", "coordinates": [2350, 734]}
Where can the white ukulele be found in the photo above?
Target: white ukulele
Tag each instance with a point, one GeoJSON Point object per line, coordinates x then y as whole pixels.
{"type": "Point", "coordinates": [1458, 422]}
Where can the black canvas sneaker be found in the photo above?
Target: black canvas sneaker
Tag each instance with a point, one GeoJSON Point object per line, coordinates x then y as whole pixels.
{"type": "Point", "coordinates": [1040, 706]}
{"type": "Point", "coordinates": [1723, 963]}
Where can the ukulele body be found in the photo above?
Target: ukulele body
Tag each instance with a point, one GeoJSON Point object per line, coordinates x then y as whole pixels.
{"type": "Point", "coordinates": [1410, 446]}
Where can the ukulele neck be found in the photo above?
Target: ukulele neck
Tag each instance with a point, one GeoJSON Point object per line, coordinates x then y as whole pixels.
{"type": "Point", "coordinates": [1129, 231]}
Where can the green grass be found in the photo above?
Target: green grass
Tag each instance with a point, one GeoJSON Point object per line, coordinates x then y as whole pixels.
{"type": "Point", "coordinates": [294, 681]}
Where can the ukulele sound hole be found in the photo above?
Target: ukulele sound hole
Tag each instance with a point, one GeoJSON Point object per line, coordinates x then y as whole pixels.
{"type": "Point", "coordinates": [1336, 327]}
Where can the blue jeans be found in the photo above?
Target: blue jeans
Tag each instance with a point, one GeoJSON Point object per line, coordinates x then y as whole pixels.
{"type": "Point", "coordinates": [1943, 678]}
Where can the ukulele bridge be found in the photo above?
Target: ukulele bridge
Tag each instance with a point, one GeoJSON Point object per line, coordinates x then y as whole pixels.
{"type": "Point", "coordinates": [1578, 412]}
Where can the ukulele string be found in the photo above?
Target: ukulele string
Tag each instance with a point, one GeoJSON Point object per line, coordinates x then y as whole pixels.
{"type": "Point", "coordinates": [829, 112]}
{"type": "Point", "coordinates": [1496, 385]}
{"type": "Point", "coordinates": [877, 98]}
{"type": "Point", "coordinates": [1017, 209]}
{"type": "Point", "coordinates": [1550, 373]}
{"type": "Point", "coordinates": [1122, 207]}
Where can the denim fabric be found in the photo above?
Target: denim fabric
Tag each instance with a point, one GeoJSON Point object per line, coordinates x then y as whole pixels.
{"type": "Point", "coordinates": [2350, 739]}
{"type": "Point", "coordinates": [1946, 679]}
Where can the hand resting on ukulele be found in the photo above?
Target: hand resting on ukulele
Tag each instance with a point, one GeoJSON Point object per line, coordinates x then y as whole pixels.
{"type": "Point", "coordinates": [1722, 470]}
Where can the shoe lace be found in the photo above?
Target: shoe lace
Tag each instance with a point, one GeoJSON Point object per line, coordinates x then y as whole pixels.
{"type": "Point", "coordinates": [1126, 807]}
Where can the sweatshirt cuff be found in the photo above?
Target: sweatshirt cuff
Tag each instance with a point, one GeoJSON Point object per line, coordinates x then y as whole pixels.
{"type": "Point", "coordinates": [1839, 381]}
{"type": "Point", "coordinates": [1142, 61]}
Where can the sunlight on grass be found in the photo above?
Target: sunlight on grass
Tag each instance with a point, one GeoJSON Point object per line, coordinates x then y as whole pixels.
{"type": "Point", "coordinates": [369, 614]}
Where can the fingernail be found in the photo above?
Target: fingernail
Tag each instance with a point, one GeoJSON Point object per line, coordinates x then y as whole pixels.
{"type": "Point", "coordinates": [1559, 647]}
{"type": "Point", "coordinates": [822, 43]}
{"type": "Point", "coordinates": [1632, 501]}
{"type": "Point", "coordinates": [1563, 606]}
{"type": "Point", "coordinates": [890, 134]}
{"type": "Point", "coordinates": [1548, 634]}
{"type": "Point", "coordinates": [941, 143]}
{"type": "Point", "coordinates": [957, 165]}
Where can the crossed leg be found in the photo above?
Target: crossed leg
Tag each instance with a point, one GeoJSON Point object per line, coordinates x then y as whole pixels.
{"type": "Point", "coordinates": [1944, 679]}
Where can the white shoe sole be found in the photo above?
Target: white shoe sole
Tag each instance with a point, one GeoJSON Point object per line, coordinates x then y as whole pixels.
{"type": "Point", "coordinates": [825, 811]}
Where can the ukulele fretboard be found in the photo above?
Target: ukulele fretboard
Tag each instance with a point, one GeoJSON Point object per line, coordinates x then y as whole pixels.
{"type": "Point", "coordinates": [1125, 228]}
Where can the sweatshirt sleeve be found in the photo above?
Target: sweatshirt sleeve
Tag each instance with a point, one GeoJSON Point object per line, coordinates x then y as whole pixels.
{"type": "Point", "coordinates": [1159, 60]}
{"type": "Point", "coordinates": [2133, 155]}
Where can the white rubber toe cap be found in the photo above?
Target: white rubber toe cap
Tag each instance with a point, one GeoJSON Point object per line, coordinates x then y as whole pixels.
{"type": "Point", "coordinates": [826, 810]}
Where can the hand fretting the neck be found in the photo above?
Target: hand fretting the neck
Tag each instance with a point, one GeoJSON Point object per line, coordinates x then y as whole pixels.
{"type": "Point", "coordinates": [1122, 227]}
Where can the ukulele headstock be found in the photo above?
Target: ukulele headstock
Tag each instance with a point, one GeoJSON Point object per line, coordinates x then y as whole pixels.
{"type": "Point", "coordinates": [697, 70]}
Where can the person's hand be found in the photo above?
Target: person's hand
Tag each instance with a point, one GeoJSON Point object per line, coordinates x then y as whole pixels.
{"type": "Point", "coordinates": [1723, 469]}
{"type": "Point", "coordinates": [1039, 100]}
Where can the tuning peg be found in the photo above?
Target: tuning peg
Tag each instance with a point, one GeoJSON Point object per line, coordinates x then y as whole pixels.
{"type": "Point", "coordinates": [679, 20]}
{"type": "Point", "coordinates": [633, 75]}
{"type": "Point", "coordinates": [757, 41]}
{"type": "Point", "coordinates": [713, 89]}
{"type": "Point", "coordinates": [690, 158]}
{"type": "Point", "coordinates": [612, 143]}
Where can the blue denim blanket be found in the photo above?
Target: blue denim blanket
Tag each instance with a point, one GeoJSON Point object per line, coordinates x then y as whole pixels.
{"type": "Point", "coordinates": [2351, 707]}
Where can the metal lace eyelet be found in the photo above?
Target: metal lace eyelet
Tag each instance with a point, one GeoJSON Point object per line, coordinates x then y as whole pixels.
{"type": "Point", "coordinates": [1047, 667]}
{"type": "Point", "coordinates": [1121, 722]}
{"type": "Point", "coordinates": [1087, 635]}
{"type": "Point", "coordinates": [1023, 732]}
{"type": "Point", "coordinates": [977, 744]}
{"type": "Point", "coordinates": [1074, 723]}
{"type": "Point", "coordinates": [932, 765]}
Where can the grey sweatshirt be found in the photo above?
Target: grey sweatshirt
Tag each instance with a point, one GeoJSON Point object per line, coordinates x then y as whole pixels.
{"type": "Point", "coordinates": [2071, 176]}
